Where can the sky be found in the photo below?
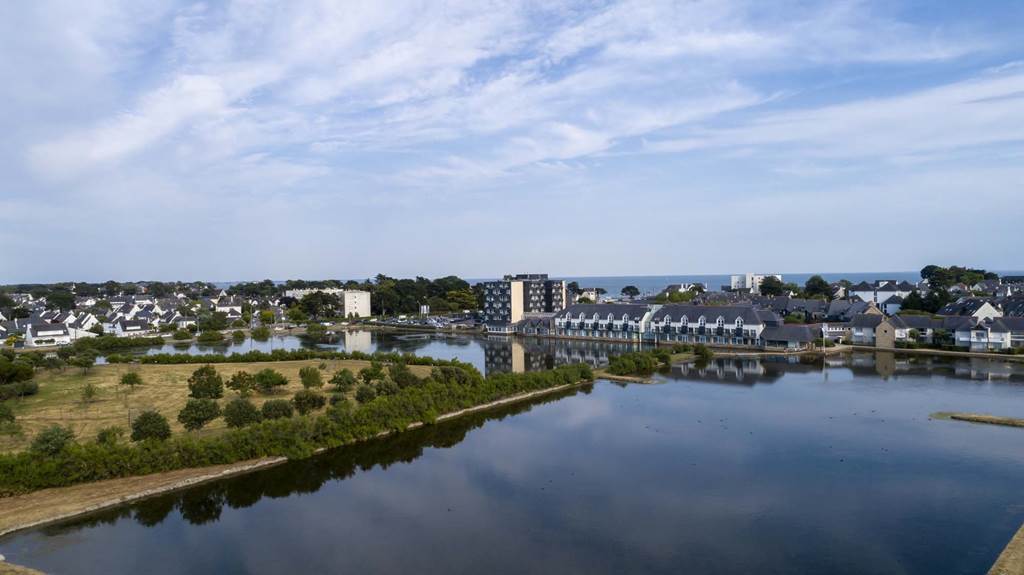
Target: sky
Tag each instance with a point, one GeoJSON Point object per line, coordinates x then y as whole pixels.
{"type": "Point", "coordinates": [161, 140]}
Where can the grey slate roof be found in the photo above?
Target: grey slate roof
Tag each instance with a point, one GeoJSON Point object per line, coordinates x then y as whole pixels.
{"type": "Point", "coordinates": [791, 333]}
{"type": "Point", "coordinates": [635, 312]}
{"type": "Point", "coordinates": [863, 320]}
{"type": "Point", "coordinates": [711, 313]}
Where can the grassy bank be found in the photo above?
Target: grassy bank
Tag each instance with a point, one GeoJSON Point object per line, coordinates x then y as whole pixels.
{"type": "Point", "coordinates": [980, 418]}
{"type": "Point", "coordinates": [448, 389]}
{"type": "Point", "coordinates": [164, 389]}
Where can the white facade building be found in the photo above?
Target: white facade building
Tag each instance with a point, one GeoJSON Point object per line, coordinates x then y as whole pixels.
{"type": "Point", "coordinates": [750, 281]}
{"type": "Point", "coordinates": [46, 334]}
{"type": "Point", "coordinates": [356, 302]}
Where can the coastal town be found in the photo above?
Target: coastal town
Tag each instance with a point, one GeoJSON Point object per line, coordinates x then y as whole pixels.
{"type": "Point", "coordinates": [954, 308]}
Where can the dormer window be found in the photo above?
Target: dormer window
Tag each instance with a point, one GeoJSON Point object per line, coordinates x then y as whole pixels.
{"type": "Point", "coordinates": [720, 322]}
{"type": "Point", "coordinates": [701, 321]}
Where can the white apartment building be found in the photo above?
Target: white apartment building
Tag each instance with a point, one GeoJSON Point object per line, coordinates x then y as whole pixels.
{"type": "Point", "coordinates": [750, 281]}
{"type": "Point", "coordinates": [356, 302]}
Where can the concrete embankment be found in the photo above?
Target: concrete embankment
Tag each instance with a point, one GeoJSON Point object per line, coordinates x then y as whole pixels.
{"type": "Point", "coordinates": [1011, 560]}
{"type": "Point", "coordinates": [58, 504]}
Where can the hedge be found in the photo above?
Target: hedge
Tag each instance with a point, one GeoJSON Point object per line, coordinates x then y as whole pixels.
{"type": "Point", "coordinates": [256, 356]}
{"type": "Point", "coordinates": [448, 389]}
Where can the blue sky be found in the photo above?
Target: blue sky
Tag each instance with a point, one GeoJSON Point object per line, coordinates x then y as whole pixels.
{"type": "Point", "coordinates": [150, 139]}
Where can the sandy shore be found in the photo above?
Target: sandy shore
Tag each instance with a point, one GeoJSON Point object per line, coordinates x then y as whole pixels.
{"type": "Point", "coordinates": [52, 505]}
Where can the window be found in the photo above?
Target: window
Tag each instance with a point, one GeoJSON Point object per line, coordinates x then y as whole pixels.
{"type": "Point", "coordinates": [720, 322]}
{"type": "Point", "coordinates": [701, 321]}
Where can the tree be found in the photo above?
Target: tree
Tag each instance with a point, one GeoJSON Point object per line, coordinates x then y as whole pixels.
{"type": "Point", "coordinates": [238, 336]}
{"type": "Point", "coordinates": [461, 299]}
{"type": "Point", "coordinates": [365, 393]}
{"type": "Point", "coordinates": [197, 413]}
{"type": "Point", "coordinates": [267, 380]}
{"type": "Point", "coordinates": [794, 318]}
{"type": "Point", "coordinates": [771, 286]}
{"type": "Point", "coordinates": [343, 381]}
{"type": "Point", "coordinates": [630, 291]}
{"type": "Point", "coordinates": [307, 400]}
{"type": "Point", "coordinates": [277, 409]}
{"type": "Point", "coordinates": [89, 393]}
{"type": "Point", "coordinates": [13, 371]}
{"type": "Point", "coordinates": [181, 335]}
{"type": "Point", "coordinates": [60, 299]}
{"type": "Point", "coordinates": [131, 379]}
{"type": "Point", "coordinates": [310, 377]}
{"type": "Point", "coordinates": [266, 317]}
{"type": "Point", "coordinates": [402, 375]}
{"type": "Point", "coordinates": [241, 412]}
{"type": "Point", "coordinates": [52, 440]}
{"type": "Point", "coordinates": [96, 329]}
{"type": "Point", "coordinates": [261, 333]}
{"type": "Point", "coordinates": [913, 301]}
{"type": "Point", "coordinates": [315, 332]}
{"type": "Point", "coordinates": [150, 425]}
{"type": "Point", "coordinates": [374, 371]}
{"type": "Point", "coordinates": [211, 337]}
{"type": "Point", "coordinates": [816, 286]}
{"type": "Point", "coordinates": [206, 383]}
{"type": "Point", "coordinates": [295, 314]}
{"type": "Point", "coordinates": [242, 383]}
{"type": "Point", "coordinates": [319, 304]}
{"type": "Point", "coordinates": [83, 360]}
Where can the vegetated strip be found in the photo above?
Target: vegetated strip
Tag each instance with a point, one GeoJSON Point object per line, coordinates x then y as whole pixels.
{"type": "Point", "coordinates": [57, 504]}
{"type": "Point", "coordinates": [981, 418]}
{"type": "Point", "coordinates": [449, 389]}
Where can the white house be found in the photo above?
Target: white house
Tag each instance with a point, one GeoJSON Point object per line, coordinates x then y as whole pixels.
{"type": "Point", "coordinates": [971, 307]}
{"type": "Point", "coordinates": [880, 291]}
{"type": "Point", "coordinates": [41, 334]}
{"type": "Point", "coordinates": [724, 325]}
{"type": "Point", "coordinates": [605, 321]}
{"type": "Point", "coordinates": [132, 328]}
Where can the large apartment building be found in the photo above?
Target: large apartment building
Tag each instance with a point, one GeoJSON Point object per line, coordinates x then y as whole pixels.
{"type": "Point", "coordinates": [356, 302]}
{"type": "Point", "coordinates": [507, 300]}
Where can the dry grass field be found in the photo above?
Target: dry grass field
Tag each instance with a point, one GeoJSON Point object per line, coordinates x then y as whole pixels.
{"type": "Point", "coordinates": [164, 388]}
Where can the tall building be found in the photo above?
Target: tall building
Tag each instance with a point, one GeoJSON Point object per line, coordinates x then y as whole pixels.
{"type": "Point", "coordinates": [750, 282]}
{"type": "Point", "coordinates": [356, 302]}
{"type": "Point", "coordinates": [507, 300]}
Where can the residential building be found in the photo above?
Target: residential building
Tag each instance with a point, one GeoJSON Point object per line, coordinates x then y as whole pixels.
{"type": "Point", "coordinates": [507, 300]}
{"type": "Point", "coordinates": [722, 325]}
{"type": "Point", "coordinates": [750, 282]}
{"type": "Point", "coordinates": [42, 334]}
{"type": "Point", "coordinates": [971, 307]}
{"type": "Point", "coordinates": [603, 321]}
{"type": "Point", "coordinates": [880, 291]}
{"type": "Point", "coordinates": [356, 303]}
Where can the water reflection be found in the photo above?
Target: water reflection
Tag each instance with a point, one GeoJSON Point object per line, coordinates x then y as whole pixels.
{"type": "Point", "coordinates": [828, 469]}
{"type": "Point", "coordinates": [204, 504]}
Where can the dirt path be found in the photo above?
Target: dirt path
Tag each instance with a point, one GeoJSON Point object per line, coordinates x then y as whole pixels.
{"type": "Point", "coordinates": [1011, 560]}
{"type": "Point", "coordinates": [49, 505]}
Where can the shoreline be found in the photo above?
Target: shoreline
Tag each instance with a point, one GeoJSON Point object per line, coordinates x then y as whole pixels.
{"type": "Point", "coordinates": [48, 506]}
{"type": "Point", "coordinates": [1011, 560]}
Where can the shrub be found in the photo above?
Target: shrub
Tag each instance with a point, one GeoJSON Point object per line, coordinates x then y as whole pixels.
{"type": "Point", "coordinates": [197, 413]}
{"type": "Point", "coordinates": [206, 383]}
{"type": "Point", "coordinates": [89, 393]}
{"type": "Point", "coordinates": [19, 389]}
{"type": "Point", "coordinates": [241, 412]}
{"type": "Point", "coordinates": [150, 425]}
{"type": "Point", "coordinates": [14, 370]}
{"type": "Point", "coordinates": [310, 377]}
{"type": "Point", "coordinates": [52, 440]}
{"type": "Point", "coordinates": [131, 379]}
{"type": "Point", "coordinates": [6, 413]}
{"type": "Point", "coordinates": [261, 333]}
{"type": "Point", "coordinates": [343, 381]}
{"type": "Point", "coordinates": [365, 394]}
{"type": "Point", "coordinates": [210, 336]}
{"type": "Point", "coordinates": [238, 336]}
{"type": "Point", "coordinates": [277, 409]}
{"type": "Point", "coordinates": [181, 335]}
{"type": "Point", "coordinates": [402, 375]}
{"type": "Point", "coordinates": [110, 435]}
{"type": "Point", "coordinates": [242, 382]}
{"type": "Point", "coordinates": [267, 380]}
{"type": "Point", "coordinates": [369, 374]}
{"type": "Point", "coordinates": [702, 352]}
{"type": "Point", "coordinates": [307, 400]}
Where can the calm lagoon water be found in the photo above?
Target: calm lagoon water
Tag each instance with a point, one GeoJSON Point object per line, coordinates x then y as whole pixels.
{"type": "Point", "coordinates": [744, 466]}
